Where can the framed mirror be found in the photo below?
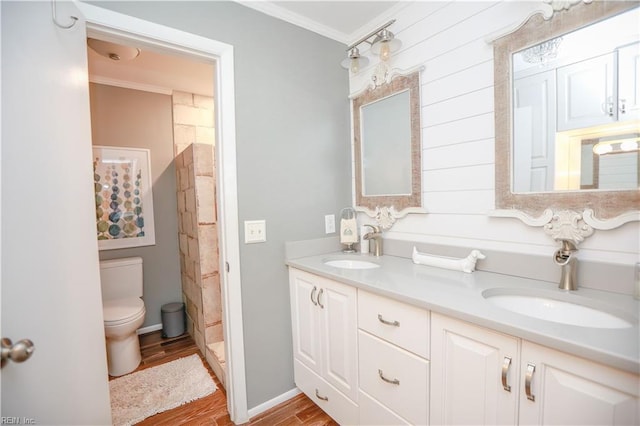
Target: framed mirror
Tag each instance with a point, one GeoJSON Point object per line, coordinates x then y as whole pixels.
{"type": "Point", "coordinates": [386, 129]}
{"type": "Point", "coordinates": [567, 111]}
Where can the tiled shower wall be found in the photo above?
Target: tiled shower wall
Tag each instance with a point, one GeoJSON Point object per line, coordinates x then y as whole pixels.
{"type": "Point", "coordinates": [193, 120]}
{"type": "Point", "coordinates": [197, 222]}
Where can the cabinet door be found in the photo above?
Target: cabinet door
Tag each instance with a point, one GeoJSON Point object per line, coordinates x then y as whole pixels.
{"type": "Point", "coordinates": [466, 374]}
{"type": "Point", "coordinates": [586, 93]}
{"type": "Point", "coordinates": [305, 320]}
{"type": "Point", "coordinates": [569, 390]}
{"type": "Point", "coordinates": [337, 304]}
{"type": "Point", "coordinates": [629, 82]}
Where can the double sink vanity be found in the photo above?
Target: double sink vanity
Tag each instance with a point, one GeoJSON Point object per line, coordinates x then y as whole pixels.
{"type": "Point", "coordinates": [381, 340]}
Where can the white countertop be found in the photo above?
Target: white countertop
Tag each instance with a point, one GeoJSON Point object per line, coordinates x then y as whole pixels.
{"type": "Point", "coordinates": [459, 295]}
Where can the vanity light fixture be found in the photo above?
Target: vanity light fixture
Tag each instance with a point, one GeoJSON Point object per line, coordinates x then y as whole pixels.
{"type": "Point", "coordinates": [616, 146]}
{"type": "Point", "coordinates": [354, 62]}
{"type": "Point", "coordinates": [385, 43]}
{"type": "Point", "coordinates": [382, 42]}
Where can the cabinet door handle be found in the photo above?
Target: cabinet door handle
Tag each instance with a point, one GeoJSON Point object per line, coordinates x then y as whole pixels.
{"type": "Point", "coordinates": [322, 398]}
{"type": "Point", "coordinates": [318, 298]}
{"type": "Point", "coordinates": [312, 293]}
{"type": "Point", "coordinates": [384, 321]}
{"type": "Point", "coordinates": [505, 371]}
{"type": "Point", "coordinates": [531, 368]}
{"type": "Point", "coordinates": [608, 106]}
{"type": "Point", "coordinates": [392, 381]}
{"type": "Point", "coordinates": [623, 106]}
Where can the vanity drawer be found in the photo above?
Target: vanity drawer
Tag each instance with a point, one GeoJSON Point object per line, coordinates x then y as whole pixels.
{"type": "Point", "coordinates": [396, 378]}
{"type": "Point", "coordinates": [402, 324]}
{"type": "Point", "coordinates": [373, 413]}
{"type": "Point", "coordinates": [333, 402]}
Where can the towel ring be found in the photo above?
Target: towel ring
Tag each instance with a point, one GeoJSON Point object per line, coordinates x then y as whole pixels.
{"type": "Point", "coordinates": [74, 19]}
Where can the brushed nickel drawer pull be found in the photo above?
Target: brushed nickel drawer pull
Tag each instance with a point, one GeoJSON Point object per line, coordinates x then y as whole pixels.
{"type": "Point", "coordinates": [384, 321]}
{"type": "Point", "coordinates": [531, 368]}
{"type": "Point", "coordinates": [505, 370]}
{"type": "Point", "coordinates": [392, 381]}
{"type": "Point", "coordinates": [318, 298]}
{"type": "Point", "coordinates": [312, 293]}
{"type": "Point", "coordinates": [322, 398]}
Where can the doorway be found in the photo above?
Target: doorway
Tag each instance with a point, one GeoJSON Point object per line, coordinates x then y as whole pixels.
{"type": "Point", "coordinates": [128, 30]}
{"type": "Point", "coordinates": [165, 104]}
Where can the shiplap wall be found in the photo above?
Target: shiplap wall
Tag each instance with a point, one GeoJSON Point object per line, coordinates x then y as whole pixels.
{"type": "Point", "coordinates": [457, 104]}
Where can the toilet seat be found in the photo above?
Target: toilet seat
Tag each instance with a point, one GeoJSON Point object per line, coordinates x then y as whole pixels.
{"type": "Point", "coordinates": [122, 311]}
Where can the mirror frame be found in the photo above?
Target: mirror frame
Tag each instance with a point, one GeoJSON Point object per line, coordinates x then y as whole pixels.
{"type": "Point", "coordinates": [397, 84]}
{"type": "Point", "coordinates": [605, 204]}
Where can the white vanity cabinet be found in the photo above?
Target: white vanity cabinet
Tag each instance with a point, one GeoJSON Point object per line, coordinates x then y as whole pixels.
{"type": "Point", "coordinates": [323, 314]}
{"type": "Point", "coordinates": [393, 350]}
{"type": "Point", "coordinates": [474, 377]}
{"type": "Point", "coordinates": [472, 368]}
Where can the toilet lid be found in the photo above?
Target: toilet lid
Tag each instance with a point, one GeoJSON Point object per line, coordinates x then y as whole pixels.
{"type": "Point", "coordinates": [122, 310]}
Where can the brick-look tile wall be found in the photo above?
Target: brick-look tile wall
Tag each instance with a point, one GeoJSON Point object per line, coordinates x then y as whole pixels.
{"type": "Point", "coordinates": [197, 223]}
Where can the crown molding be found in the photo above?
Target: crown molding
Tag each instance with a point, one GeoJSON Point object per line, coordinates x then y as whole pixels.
{"type": "Point", "coordinates": [283, 14]}
{"type": "Point", "coordinates": [271, 9]}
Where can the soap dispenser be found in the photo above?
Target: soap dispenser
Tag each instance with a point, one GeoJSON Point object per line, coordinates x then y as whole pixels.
{"type": "Point", "coordinates": [348, 229]}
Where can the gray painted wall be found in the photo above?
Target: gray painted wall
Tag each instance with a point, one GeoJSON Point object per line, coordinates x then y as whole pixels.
{"type": "Point", "coordinates": [293, 148]}
{"type": "Point", "coordinates": [137, 119]}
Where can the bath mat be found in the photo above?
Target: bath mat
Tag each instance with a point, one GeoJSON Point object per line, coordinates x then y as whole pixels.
{"type": "Point", "coordinates": [139, 395]}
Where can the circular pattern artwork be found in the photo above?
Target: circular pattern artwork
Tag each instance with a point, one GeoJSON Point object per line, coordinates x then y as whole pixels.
{"type": "Point", "coordinates": [118, 189]}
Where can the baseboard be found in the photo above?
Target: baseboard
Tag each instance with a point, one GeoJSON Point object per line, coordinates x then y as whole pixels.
{"type": "Point", "coordinates": [273, 402]}
{"type": "Point", "coordinates": [149, 329]}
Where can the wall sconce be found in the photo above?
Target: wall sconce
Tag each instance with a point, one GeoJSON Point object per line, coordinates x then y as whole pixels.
{"type": "Point", "coordinates": [383, 44]}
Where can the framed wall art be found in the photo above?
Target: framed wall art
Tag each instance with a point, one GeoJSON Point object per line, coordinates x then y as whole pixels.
{"type": "Point", "coordinates": [124, 200]}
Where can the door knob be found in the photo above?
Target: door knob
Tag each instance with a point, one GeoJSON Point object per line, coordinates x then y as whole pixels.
{"type": "Point", "coordinates": [18, 352]}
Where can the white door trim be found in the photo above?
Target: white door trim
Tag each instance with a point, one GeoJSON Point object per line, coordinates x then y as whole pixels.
{"type": "Point", "coordinates": [108, 23]}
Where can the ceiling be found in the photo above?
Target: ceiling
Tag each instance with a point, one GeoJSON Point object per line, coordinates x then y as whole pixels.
{"type": "Point", "coordinates": [343, 21]}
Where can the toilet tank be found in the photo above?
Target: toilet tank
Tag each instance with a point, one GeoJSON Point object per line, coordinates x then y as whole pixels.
{"type": "Point", "coordinates": [121, 278]}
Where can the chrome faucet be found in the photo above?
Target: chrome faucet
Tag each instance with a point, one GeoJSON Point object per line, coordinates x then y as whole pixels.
{"type": "Point", "coordinates": [374, 236]}
{"type": "Point", "coordinates": [565, 257]}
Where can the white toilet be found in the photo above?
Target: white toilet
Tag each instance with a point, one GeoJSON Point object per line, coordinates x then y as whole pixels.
{"type": "Point", "coordinates": [121, 282]}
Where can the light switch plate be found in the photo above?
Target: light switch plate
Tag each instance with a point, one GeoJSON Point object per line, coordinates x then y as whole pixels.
{"type": "Point", "coordinates": [329, 224]}
{"type": "Point", "coordinates": [255, 231]}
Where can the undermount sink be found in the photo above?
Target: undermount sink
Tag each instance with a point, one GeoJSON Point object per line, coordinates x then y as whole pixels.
{"type": "Point", "coordinates": [545, 307]}
{"type": "Point", "coordinates": [351, 263]}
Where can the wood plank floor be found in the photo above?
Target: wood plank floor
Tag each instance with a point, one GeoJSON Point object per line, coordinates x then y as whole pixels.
{"type": "Point", "coordinates": [212, 409]}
